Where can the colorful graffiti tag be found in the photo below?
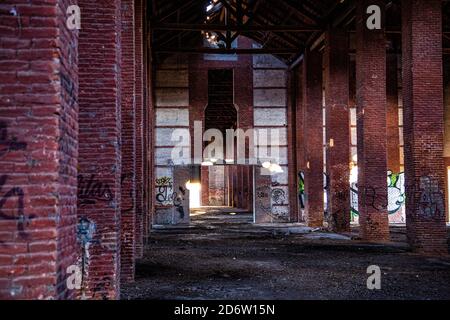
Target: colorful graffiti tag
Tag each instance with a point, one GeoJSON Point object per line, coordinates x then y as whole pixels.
{"type": "Point", "coordinates": [301, 189]}
{"type": "Point", "coordinates": [396, 198]}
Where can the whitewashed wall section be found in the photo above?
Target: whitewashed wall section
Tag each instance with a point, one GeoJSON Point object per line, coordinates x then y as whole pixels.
{"type": "Point", "coordinates": [172, 113]}
{"type": "Point", "coordinates": [270, 112]}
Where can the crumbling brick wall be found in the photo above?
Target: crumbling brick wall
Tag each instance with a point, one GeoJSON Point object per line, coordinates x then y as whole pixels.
{"type": "Point", "coordinates": [38, 149]}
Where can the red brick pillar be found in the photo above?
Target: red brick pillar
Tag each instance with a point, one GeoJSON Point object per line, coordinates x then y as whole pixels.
{"type": "Point", "coordinates": [393, 133]}
{"type": "Point", "coordinates": [300, 144]}
{"type": "Point", "coordinates": [99, 201]}
{"type": "Point", "coordinates": [128, 143]}
{"type": "Point", "coordinates": [38, 150]}
{"type": "Point", "coordinates": [235, 187]}
{"type": "Point", "coordinates": [424, 125]}
{"type": "Point", "coordinates": [230, 186]}
{"type": "Point", "coordinates": [139, 128]}
{"type": "Point", "coordinates": [205, 185]}
{"type": "Point", "coordinates": [371, 105]}
{"type": "Point", "coordinates": [243, 87]}
{"type": "Point", "coordinates": [240, 176]}
{"type": "Point", "coordinates": [313, 132]}
{"type": "Point", "coordinates": [336, 62]}
{"type": "Point", "coordinates": [249, 175]}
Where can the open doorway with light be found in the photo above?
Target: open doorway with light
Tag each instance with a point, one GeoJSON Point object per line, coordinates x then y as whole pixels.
{"type": "Point", "coordinates": [225, 189]}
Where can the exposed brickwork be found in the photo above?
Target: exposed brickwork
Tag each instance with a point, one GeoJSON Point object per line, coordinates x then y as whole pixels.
{"type": "Point", "coordinates": [243, 87]}
{"type": "Point", "coordinates": [68, 153]}
{"type": "Point", "coordinates": [313, 133]}
{"type": "Point", "coordinates": [235, 186]}
{"type": "Point", "coordinates": [240, 186]}
{"type": "Point", "coordinates": [139, 128]}
{"type": "Point", "coordinates": [371, 104]}
{"type": "Point", "coordinates": [99, 143]}
{"type": "Point", "coordinates": [205, 186]}
{"type": "Point", "coordinates": [336, 83]}
{"type": "Point", "coordinates": [299, 132]}
{"type": "Point", "coordinates": [38, 143]}
{"type": "Point", "coordinates": [128, 142]}
{"type": "Point", "coordinates": [148, 120]}
{"type": "Point", "coordinates": [249, 187]}
{"type": "Point", "coordinates": [393, 133]}
{"type": "Point", "coordinates": [424, 127]}
{"type": "Point", "coordinates": [78, 153]}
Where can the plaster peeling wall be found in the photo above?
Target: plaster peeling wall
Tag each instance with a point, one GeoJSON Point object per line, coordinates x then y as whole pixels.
{"type": "Point", "coordinates": [172, 113]}
{"type": "Point", "coordinates": [270, 112]}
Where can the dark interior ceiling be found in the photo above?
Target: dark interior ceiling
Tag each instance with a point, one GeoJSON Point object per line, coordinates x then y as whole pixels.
{"type": "Point", "coordinates": [282, 27]}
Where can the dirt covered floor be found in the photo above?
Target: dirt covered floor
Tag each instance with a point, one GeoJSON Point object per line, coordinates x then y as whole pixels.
{"type": "Point", "coordinates": [223, 256]}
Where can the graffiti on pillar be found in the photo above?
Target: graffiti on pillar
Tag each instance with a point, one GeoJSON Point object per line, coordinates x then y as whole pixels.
{"type": "Point", "coordinates": [271, 202]}
{"type": "Point", "coordinates": [91, 190]}
{"type": "Point", "coordinates": [85, 236]}
{"type": "Point", "coordinates": [167, 196]}
{"type": "Point", "coordinates": [69, 88]}
{"type": "Point", "coordinates": [164, 191]}
{"type": "Point", "coordinates": [431, 203]}
{"type": "Point", "coordinates": [280, 213]}
{"type": "Point", "coordinates": [85, 231]}
{"type": "Point", "coordinates": [395, 203]}
{"type": "Point", "coordinates": [396, 192]}
{"type": "Point", "coordinates": [278, 196]}
{"type": "Point", "coordinates": [64, 153]}
{"type": "Point", "coordinates": [262, 194]}
{"type": "Point", "coordinates": [354, 210]}
{"type": "Point", "coordinates": [301, 189]}
{"type": "Point", "coordinates": [178, 198]}
{"type": "Point", "coordinates": [326, 181]}
{"type": "Point", "coordinates": [8, 144]}
{"type": "Point", "coordinates": [396, 197]}
{"type": "Point", "coordinates": [17, 194]}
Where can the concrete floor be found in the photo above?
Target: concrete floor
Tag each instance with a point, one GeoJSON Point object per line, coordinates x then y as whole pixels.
{"type": "Point", "coordinates": [224, 256]}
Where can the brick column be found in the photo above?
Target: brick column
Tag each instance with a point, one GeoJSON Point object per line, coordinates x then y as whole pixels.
{"type": "Point", "coordinates": [300, 145]}
{"type": "Point", "coordinates": [424, 125]}
{"type": "Point", "coordinates": [336, 61]}
{"type": "Point", "coordinates": [243, 94]}
{"type": "Point", "coordinates": [139, 128]}
{"type": "Point", "coordinates": [313, 132]}
{"type": "Point", "coordinates": [99, 147]}
{"type": "Point", "coordinates": [240, 179]}
{"type": "Point", "coordinates": [38, 150]}
{"type": "Point", "coordinates": [128, 143]}
{"type": "Point", "coordinates": [230, 187]}
{"type": "Point", "coordinates": [371, 105]}
{"type": "Point", "coordinates": [205, 185]}
{"type": "Point", "coordinates": [393, 134]}
{"type": "Point", "coordinates": [235, 187]}
{"type": "Point", "coordinates": [249, 175]}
